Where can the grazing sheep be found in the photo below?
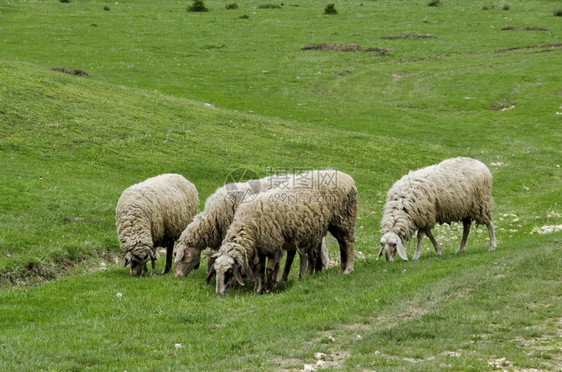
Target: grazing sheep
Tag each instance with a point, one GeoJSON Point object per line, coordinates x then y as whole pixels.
{"type": "Point", "coordinates": [296, 217]}
{"type": "Point", "coordinates": [458, 189]}
{"type": "Point", "coordinates": [208, 228]}
{"type": "Point", "coordinates": [154, 213]}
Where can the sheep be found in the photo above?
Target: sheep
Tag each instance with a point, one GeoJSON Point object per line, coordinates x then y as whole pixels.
{"type": "Point", "coordinates": [296, 217]}
{"type": "Point", "coordinates": [458, 189]}
{"type": "Point", "coordinates": [153, 213]}
{"type": "Point", "coordinates": [208, 228]}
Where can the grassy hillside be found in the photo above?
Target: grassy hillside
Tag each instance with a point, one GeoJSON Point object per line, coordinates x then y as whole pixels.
{"type": "Point", "coordinates": [70, 145]}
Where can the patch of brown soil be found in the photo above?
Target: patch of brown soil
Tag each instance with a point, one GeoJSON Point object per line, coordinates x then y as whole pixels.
{"type": "Point", "coordinates": [70, 71]}
{"type": "Point", "coordinates": [537, 46]}
{"type": "Point", "coordinates": [545, 48]}
{"type": "Point", "coordinates": [343, 73]}
{"type": "Point", "coordinates": [417, 59]}
{"type": "Point", "coordinates": [346, 48]}
{"type": "Point", "coordinates": [409, 36]}
{"type": "Point", "coordinates": [334, 47]}
{"type": "Point", "coordinates": [379, 51]}
{"type": "Point", "coordinates": [524, 28]}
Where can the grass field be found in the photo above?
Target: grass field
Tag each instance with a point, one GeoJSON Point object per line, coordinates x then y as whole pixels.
{"type": "Point", "coordinates": [204, 94]}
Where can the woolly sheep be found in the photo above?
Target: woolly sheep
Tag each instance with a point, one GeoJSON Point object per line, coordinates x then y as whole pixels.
{"type": "Point", "coordinates": [153, 213]}
{"type": "Point", "coordinates": [458, 189]}
{"type": "Point", "coordinates": [295, 217]}
{"type": "Point", "coordinates": [208, 228]}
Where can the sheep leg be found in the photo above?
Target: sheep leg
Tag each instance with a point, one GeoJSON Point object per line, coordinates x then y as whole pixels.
{"type": "Point", "coordinates": [324, 258]}
{"type": "Point", "coordinates": [260, 278]}
{"type": "Point", "coordinates": [434, 242]}
{"type": "Point", "coordinates": [303, 270]}
{"type": "Point", "coordinates": [418, 247]}
{"type": "Point", "coordinates": [153, 272]}
{"type": "Point", "coordinates": [347, 248]}
{"type": "Point", "coordinates": [312, 261]}
{"type": "Point", "coordinates": [318, 258]}
{"type": "Point", "coordinates": [169, 256]}
{"type": "Point", "coordinates": [288, 262]}
{"type": "Point", "coordinates": [273, 272]}
{"type": "Point", "coordinates": [465, 231]}
{"type": "Point", "coordinates": [493, 245]}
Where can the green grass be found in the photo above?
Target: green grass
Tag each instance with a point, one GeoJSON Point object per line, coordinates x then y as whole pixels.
{"type": "Point", "coordinates": [70, 145]}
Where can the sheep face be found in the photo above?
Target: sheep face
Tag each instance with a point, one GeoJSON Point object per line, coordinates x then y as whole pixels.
{"type": "Point", "coordinates": [227, 271]}
{"type": "Point", "coordinates": [390, 244]}
{"type": "Point", "coordinates": [137, 259]}
{"type": "Point", "coordinates": [187, 259]}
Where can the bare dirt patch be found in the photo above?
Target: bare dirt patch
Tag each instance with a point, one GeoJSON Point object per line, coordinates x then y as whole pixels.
{"type": "Point", "coordinates": [409, 36]}
{"type": "Point", "coordinates": [537, 48]}
{"type": "Point", "coordinates": [70, 71]}
{"type": "Point", "coordinates": [524, 28]}
{"type": "Point", "coordinates": [542, 48]}
{"type": "Point", "coordinates": [346, 48]}
{"type": "Point", "coordinates": [379, 51]}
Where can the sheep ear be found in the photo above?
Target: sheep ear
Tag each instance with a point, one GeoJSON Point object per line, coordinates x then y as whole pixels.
{"type": "Point", "coordinates": [381, 251]}
{"type": "Point", "coordinates": [179, 255]}
{"type": "Point", "coordinates": [401, 250]}
{"type": "Point", "coordinates": [237, 275]}
{"type": "Point", "coordinates": [210, 274]}
{"type": "Point", "coordinates": [250, 274]}
{"type": "Point", "coordinates": [126, 262]}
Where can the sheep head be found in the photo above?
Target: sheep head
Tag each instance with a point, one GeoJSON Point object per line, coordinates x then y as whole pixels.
{"type": "Point", "coordinates": [137, 258]}
{"type": "Point", "coordinates": [187, 259]}
{"type": "Point", "coordinates": [227, 271]}
{"type": "Point", "coordinates": [390, 244]}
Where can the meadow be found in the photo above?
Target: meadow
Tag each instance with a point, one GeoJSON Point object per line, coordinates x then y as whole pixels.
{"type": "Point", "coordinates": [206, 94]}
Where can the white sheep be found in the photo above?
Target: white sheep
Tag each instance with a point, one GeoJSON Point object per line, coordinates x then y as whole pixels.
{"type": "Point", "coordinates": [458, 189]}
{"type": "Point", "coordinates": [296, 217]}
{"type": "Point", "coordinates": [153, 213]}
{"type": "Point", "coordinates": [208, 228]}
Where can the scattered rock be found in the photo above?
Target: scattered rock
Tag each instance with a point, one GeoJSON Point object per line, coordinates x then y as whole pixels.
{"type": "Point", "coordinates": [454, 354]}
{"type": "Point", "coordinates": [547, 229]}
{"type": "Point", "coordinates": [319, 356]}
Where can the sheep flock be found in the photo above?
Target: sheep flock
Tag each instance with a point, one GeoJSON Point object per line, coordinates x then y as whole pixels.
{"type": "Point", "coordinates": [246, 230]}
